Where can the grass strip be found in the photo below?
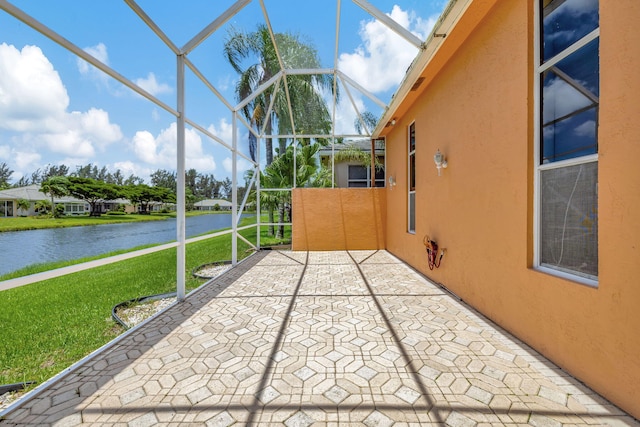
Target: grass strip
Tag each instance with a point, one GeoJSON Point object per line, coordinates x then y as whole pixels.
{"type": "Point", "coordinates": [36, 223]}
{"type": "Point", "coordinates": [40, 222]}
{"type": "Point", "coordinates": [49, 325]}
{"type": "Point", "coordinates": [47, 266]}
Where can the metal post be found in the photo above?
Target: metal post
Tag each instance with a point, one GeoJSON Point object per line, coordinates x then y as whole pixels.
{"type": "Point", "coordinates": [181, 205]}
{"type": "Point", "coordinates": [373, 163]}
{"type": "Point", "coordinates": [234, 190]}
{"type": "Point", "coordinates": [258, 184]}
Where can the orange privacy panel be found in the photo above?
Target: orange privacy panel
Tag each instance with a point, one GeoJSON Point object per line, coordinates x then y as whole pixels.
{"type": "Point", "coordinates": [338, 218]}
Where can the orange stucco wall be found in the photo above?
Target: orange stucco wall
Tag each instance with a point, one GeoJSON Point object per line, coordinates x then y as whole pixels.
{"type": "Point", "coordinates": [477, 108]}
{"type": "Point", "coordinates": [338, 218]}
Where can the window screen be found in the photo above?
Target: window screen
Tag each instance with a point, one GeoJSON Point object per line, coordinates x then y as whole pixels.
{"type": "Point", "coordinates": [569, 218]}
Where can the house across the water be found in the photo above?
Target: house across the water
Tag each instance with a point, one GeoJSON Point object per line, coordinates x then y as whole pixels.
{"type": "Point", "coordinates": [9, 200]}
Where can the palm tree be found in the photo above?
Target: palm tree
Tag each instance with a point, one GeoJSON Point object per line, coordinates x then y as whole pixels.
{"type": "Point", "coordinates": [308, 108]}
{"type": "Point", "coordinates": [23, 205]}
{"type": "Point", "coordinates": [280, 174]}
{"type": "Point", "coordinates": [367, 119]}
{"type": "Point", "coordinates": [42, 207]}
{"type": "Point", "coordinates": [5, 175]}
{"type": "Point", "coordinates": [56, 186]}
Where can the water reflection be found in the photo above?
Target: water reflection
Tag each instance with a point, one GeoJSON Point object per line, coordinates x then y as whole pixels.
{"type": "Point", "coordinates": [23, 248]}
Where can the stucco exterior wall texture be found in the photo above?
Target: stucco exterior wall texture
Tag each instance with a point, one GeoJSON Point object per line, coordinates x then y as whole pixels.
{"type": "Point", "coordinates": [477, 108]}
{"type": "Point", "coordinates": [330, 219]}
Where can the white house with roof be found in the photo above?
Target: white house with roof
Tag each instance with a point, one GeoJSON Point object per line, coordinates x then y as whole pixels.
{"type": "Point", "coordinates": [31, 193]}
{"type": "Point", "coordinates": [349, 171]}
{"type": "Point", "coordinates": [210, 205]}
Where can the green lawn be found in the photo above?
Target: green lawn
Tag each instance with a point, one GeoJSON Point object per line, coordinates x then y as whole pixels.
{"type": "Point", "coordinates": [34, 222]}
{"type": "Point", "coordinates": [49, 325]}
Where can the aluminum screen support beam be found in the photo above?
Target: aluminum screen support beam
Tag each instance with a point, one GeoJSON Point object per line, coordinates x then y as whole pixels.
{"type": "Point", "coordinates": [334, 106]}
{"type": "Point", "coordinates": [152, 25]}
{"type": "Point", "coordinates": [360, 88]}
{"type": "Point", "coordinates": [234, 190]}
{"type": "Point", "coordinates": [52, 35]}
{"type": "Point", "coordinates": [213, 26]}
{"type": "Point", "coordinates": [181, 180]}
{"type": "Point", "coordinates": [390, 23]}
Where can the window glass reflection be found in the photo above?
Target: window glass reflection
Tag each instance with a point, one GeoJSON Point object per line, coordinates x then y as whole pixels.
{"type": "Point", "coordinates": [412, 173]}
{"type": "Point", "coordinates": [572, 137]}
{"type": "Point", "coordinates": [583, 68]}
{"type": "Point", "coordinates": [560, 99]}
{"type": "Point", "coordinates": [570, 99]}
{"type": "Point", "coordinates": [566, 21]}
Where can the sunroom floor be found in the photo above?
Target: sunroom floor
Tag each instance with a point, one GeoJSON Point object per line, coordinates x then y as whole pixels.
{"type": "Point", "coordinates": [324, 338]}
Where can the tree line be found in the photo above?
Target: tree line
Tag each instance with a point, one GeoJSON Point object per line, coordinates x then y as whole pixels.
{"type": "Point", "coordinates": [199, 185]}
{"type": "Point", "coordinates": [96, 193]}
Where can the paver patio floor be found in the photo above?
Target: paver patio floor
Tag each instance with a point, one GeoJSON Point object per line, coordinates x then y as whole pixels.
{"type": "Point", "coordinates": [323, 338]}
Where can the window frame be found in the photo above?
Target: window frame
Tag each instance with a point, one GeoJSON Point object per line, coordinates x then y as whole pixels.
{"type": "Point", "coordinates": [380, 183]}
{"type": "Point", "coordinates": [538, 68]}
{"type": "Point", "coordinates": [411, 192]}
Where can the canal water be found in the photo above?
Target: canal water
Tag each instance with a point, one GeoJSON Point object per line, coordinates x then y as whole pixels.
{"type": "Point", "coordinates": [23, 248]}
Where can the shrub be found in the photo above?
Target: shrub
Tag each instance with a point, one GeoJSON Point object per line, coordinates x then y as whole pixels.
{"type": "Point", "coordinates": [58, 211]}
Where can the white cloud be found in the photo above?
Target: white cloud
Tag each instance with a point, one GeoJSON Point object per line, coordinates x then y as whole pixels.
{"type": "Point", "coordinates": [32, 95]}
{"type": "Point", "coordinates": [587, 128]}
{"type": "Point", "coordinates": [70, 142]}
{"type": "Point", "coordinates": [160, 151]}
{"type": "Point", "coordinates": [242, 166]}
{"type": "Point", "coordinates": [96, 123]}
{"type": "Point", "coordinates": [224, 130]}
{"type": "Point", "coordinates": [99, 52]}
{"type": "Point", "coordinates": [24, 159]}
{"type": "Point", "coordinates": [82, 134]}
{"type": "Point", "coordinates": [129, 168]}
{"type": "Point", "coordinates": [151, 85]}
{"type": "Point", "coordinates": [346, 115]}
{"type": "Point", "coordinates": [380, 63]}
{"type": "Point", "coordinates": [578, 7]}
{"type": "Point", "coordinates": [145, 147]}
{"type": "Point", "coordinates": [34, 102]}
{"type": "Point", "coordinates": [560, 98]}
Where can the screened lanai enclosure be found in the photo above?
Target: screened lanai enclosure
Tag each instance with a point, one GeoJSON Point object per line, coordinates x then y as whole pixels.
{"type": "Point", "coordinates": [258, 87]}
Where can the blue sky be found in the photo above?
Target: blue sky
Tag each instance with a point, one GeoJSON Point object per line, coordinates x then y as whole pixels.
{"type": "Point", "coordinates": [56, 109]}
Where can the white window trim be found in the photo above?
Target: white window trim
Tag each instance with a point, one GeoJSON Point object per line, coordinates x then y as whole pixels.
{"type": "Point", "coordinates": [537, 167]}
{"type": "Point", "coordinates": [409, 191]}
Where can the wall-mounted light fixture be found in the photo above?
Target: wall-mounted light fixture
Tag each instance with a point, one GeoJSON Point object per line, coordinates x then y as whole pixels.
{"type": "Point", "coordinates": [393, 122]}
{"type": "Point", "coordinates": [392, 182]}
{"type": "Point", "coordinates": [440, 161]}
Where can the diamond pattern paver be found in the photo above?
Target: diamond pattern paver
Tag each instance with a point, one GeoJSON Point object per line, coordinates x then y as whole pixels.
{"type": "Point", "coordinates": [319, 338]}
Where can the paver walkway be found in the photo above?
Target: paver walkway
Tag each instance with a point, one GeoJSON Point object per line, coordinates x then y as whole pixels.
{"type": "Point", "coordinates": [324, 338]}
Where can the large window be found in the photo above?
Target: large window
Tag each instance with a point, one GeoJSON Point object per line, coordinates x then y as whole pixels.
{"type": "Point", "coordinates": [6, 208]}
{"type": "Point", "coordinates": [567, 143]}
{"type": "Point", "coordinates": [411, 228]}
{"type": "Point", "coordinates": [360, 176]}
